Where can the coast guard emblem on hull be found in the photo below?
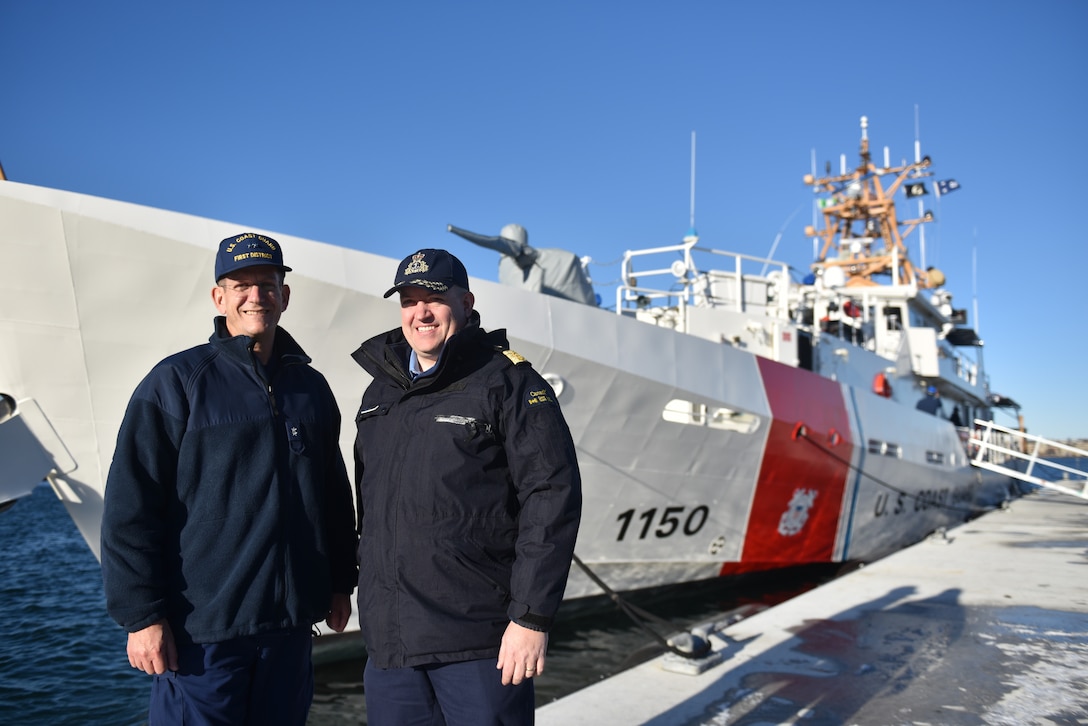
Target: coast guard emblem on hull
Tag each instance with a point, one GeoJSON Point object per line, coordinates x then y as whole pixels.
{"type": "Point", "coordinates": [417, 265]}
{"type": "Point", "coordinates": [796, 514]}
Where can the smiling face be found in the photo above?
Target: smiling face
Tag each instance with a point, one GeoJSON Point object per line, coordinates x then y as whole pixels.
{"type": "Point", "coordinates": [429, 319]}
{"type": "Point", "coordinates": [252, 300]}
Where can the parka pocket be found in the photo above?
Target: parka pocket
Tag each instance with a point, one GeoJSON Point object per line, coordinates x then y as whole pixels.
{"type": "Point", "coordinates": [369, 412]}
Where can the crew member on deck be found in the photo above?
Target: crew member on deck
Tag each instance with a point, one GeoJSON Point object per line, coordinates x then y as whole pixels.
{"type": "Point", "coordinates": [931, 402]}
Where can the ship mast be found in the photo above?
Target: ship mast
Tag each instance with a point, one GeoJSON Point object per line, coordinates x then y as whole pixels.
{"type": "Point", "coordinates": [862, 236]}
{"type": "Point", "coordinates": [692, 236]}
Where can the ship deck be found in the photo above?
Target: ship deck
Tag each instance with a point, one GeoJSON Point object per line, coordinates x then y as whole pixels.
{"type": "Point", "coordinates": [988, 624]}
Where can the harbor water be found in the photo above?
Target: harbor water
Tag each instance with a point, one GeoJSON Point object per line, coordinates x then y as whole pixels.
{"type": "Point", "coordinates": [63, 661]}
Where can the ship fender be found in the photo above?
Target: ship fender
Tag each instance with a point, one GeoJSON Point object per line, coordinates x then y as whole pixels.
{"type": "Point", "coordinates": [881, 385]}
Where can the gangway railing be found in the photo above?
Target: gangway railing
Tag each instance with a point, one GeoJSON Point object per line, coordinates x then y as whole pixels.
{"type": "Point", "coordinates": [995, 447]}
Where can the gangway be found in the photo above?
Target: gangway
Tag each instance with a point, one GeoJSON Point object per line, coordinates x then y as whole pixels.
{"type": "Point", "coordinates": [1006, 451]}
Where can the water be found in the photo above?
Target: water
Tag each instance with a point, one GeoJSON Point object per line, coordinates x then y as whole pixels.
{"type": "Point", "coordinates": [62, 660]}
{"type": "Point", "coordinates": [1051, 474]}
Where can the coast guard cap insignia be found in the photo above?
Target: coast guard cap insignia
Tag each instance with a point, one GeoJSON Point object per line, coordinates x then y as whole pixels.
{"type": "Point", "coordinates": [417, 265]}
{"type": "Point", "coordinates": [434, 270]}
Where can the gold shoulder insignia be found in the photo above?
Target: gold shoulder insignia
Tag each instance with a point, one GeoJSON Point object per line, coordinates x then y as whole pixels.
{"type": "Point", "coordinates": [515, 357]}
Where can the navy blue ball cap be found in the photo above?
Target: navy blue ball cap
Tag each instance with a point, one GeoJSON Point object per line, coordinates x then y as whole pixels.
{"type": "Point", "coordinates": [435, 270]}
{"type": "Point", "coordinates": [248, 249]}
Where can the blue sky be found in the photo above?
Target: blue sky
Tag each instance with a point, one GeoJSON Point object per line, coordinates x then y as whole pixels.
{"type": "Point", "coordinates": [373, 125]}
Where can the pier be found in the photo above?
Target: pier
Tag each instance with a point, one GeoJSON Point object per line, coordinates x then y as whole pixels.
{"type": "Point", "coordinates": [983, 623]}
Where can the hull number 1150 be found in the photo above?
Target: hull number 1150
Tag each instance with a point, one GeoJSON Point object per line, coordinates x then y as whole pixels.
{"type": "Point", "coordinates": [667, 525]}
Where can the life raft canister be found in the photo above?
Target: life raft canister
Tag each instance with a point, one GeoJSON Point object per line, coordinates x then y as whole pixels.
{"type": "Point", "coordinates": [882, 386]}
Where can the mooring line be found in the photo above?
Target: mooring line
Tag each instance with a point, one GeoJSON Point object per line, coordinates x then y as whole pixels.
{"type": "Point", "coordinates": [639, 617]}
{"type": "Point", "coordinates": [800, 431]}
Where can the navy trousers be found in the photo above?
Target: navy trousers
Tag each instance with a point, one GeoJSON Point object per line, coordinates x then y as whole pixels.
{"type": "Point", "coordinates": [254, 680]}
{"type": "Point", "coordinates": [469, 693]}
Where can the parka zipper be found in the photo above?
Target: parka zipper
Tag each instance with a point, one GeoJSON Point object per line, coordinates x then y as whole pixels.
{"type": "Point", "coordinates": [281, 451]}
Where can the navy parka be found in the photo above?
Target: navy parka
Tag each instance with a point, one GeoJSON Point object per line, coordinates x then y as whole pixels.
{"type": "Point", "coordinates": [469, 500]}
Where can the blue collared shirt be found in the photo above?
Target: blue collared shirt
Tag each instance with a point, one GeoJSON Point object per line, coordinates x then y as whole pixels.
{"type": "Point", "coordinates": [416, 370]}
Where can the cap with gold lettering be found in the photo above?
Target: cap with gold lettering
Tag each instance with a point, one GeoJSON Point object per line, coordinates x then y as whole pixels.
{"type": "Point", "coordinates": [247, 250]}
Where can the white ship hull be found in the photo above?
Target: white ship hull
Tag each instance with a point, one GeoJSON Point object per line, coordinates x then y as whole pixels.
{"type": "Point", "coordinates": [698, 458]}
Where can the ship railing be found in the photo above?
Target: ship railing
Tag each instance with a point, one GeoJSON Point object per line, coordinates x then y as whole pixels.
{"type": "Point", "coordinates": [1016, 453]}
{"type": "Point", "coordinates": [855, 316]}
{"type": "Point", "coordinates": [682, 284]}
{"type": "Point", "coordinates": [956, 365]}
{"type": "Point", "coordinates": [844, 316]}
{"type": "Point", "coordinates": [944, 361]}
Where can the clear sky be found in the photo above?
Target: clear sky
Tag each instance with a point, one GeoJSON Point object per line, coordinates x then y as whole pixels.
{"type": "Point", "coordinates": [373, 125]}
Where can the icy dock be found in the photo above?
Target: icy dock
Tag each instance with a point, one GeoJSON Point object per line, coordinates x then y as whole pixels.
{"type": "Point", "coordinates": [988, 625]}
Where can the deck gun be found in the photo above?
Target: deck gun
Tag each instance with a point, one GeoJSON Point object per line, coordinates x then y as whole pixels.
{"type": "Point", "coordinates": [551, 271]}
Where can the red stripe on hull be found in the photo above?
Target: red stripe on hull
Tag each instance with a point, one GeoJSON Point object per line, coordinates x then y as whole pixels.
{"type": "Point", "coordinates": [795, 513]}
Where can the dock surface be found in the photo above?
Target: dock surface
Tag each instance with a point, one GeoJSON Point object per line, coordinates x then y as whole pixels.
{"type": "Point", "coordinates": [987, 625]}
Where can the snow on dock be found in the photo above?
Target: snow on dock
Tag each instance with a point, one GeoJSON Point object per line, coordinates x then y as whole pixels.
{"type": "Point", "coordinates": [986, 624]}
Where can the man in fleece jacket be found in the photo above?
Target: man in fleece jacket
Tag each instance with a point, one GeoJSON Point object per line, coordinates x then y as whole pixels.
{"type": "Point", "coordinates": [229, 527]}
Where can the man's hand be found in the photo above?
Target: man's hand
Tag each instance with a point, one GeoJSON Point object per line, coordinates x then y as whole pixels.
{"type": "Point", "coordinates": [521, 654]}
{"type": "Point", "coordinates": [152, 649]}
{"type": "Point", "coordinates": [339, 612]}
